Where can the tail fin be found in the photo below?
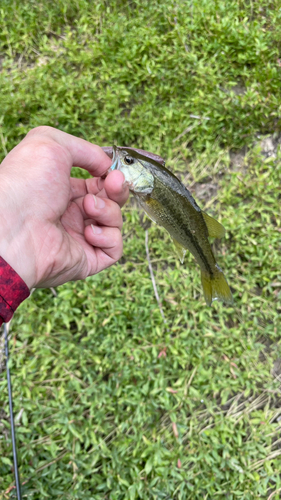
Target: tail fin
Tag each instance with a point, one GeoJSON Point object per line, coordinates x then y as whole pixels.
{"type": "Point", "coordinates": [215, 287]}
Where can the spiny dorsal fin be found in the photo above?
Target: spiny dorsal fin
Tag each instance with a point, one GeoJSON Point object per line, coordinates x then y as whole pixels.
{"type": "Point", "coordinates": [215, 229]}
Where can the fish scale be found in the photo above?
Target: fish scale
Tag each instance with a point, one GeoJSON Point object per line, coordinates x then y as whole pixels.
{"type": "Point", "coordinates": [184, 228]}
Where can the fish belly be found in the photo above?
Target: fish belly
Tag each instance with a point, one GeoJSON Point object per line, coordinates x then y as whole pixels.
{"type": "Point", "coordinates": [188, 230]}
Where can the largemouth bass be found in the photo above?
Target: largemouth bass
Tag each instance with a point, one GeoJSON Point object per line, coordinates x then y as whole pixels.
{"type": "Point", "coordinates": [168, 203]}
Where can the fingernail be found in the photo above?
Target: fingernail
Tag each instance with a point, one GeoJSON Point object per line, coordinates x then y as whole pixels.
{"type": "Point", "coordinates": [99, 202]}
{"type": "Point", "coordinates": [96, 229]}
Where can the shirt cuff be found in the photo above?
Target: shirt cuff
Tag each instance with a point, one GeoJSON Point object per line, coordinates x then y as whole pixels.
{"type": "Point", "coordinates": [13, 291]}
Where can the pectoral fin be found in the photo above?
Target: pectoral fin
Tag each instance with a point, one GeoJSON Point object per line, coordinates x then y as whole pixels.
{"type": "Point", "coordinates": [151, 207]}
{"type": "Point", "coordinates": [180, 250]}
{"type": "Point", "coordinates": [215, 229]}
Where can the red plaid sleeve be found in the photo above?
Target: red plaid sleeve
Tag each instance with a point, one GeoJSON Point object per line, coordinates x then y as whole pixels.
{"type": "Point", "coordinates": [13, 291]}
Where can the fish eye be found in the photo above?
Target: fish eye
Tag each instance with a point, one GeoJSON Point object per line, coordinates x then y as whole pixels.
{"type": "Point", "coordinates": [129, 160]}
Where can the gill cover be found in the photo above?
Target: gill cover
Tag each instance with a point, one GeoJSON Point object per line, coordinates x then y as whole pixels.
{"type": "Point", "coordinates": [139, 178]}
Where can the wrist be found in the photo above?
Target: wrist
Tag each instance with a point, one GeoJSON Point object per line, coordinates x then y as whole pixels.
{"type": "Point", "coordinates": [16, 246]}
{"type": "Point", "coordinates": [14, 250]}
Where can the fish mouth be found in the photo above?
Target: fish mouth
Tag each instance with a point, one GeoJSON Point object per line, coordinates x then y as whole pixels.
{"type": "Point", "coordinates": [115, 158]}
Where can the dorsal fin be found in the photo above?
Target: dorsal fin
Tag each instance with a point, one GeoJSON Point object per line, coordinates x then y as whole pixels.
{"type": "Point", "coordinates": [215, 229]}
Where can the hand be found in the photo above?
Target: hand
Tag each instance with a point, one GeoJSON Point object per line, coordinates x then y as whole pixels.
{"type": "Point", "coordinates": [55, 228]}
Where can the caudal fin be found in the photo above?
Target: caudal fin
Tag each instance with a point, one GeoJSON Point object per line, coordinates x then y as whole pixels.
{"type": "Point", "coordinates": [215, 287]}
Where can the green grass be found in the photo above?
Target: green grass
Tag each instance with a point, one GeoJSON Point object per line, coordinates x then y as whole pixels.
{"type": "Point", "coordinates": [110, 402]}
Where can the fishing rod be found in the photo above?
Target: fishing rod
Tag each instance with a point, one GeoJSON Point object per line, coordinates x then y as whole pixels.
{"type": "Point", "coordinates": [13, 434]}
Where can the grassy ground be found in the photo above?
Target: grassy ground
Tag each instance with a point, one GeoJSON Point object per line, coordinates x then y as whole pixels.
{"type": "Point", "coordinates": [111, 402]}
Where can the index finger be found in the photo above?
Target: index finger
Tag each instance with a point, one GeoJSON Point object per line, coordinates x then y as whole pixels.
{"type": "Point", "coordinates": [84, 154]}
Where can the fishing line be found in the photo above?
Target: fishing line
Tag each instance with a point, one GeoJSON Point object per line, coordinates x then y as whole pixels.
{"type": "Point", "coordinates": [13, 434]}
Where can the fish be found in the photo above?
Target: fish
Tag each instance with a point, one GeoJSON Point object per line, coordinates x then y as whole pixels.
{"type": "Point", "coordinates": [168, 203]}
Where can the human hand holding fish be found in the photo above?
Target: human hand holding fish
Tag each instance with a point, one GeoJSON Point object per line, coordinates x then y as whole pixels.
{"type": "Point", "coordinates": [168, 203]}
{"type": "Point", "coordinates": [54, 227]}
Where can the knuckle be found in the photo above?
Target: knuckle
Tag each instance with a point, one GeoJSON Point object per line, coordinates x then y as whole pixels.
{"type": "Point", "coordinates": [118, 244]}
{"type": "Point", "coordinates": [120, 225]}
{"type": "Point", "coordinates": [40, 147]}
{"type": "Point", "coordinates": [116, 214]}
{"type": "Point", "coordinates": [40, 130]}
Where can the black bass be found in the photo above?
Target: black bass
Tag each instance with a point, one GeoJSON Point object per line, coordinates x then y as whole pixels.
{"type": "Point", "coordinates": [168, 203]}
